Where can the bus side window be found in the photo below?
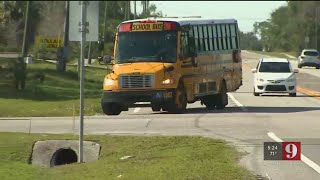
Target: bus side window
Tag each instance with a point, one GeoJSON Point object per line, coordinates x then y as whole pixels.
{"type": "Point", "coordinates": [184, 45]}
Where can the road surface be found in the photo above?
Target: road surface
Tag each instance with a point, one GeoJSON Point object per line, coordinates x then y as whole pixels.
{"type": "Point", "coordinates": [246, 123]}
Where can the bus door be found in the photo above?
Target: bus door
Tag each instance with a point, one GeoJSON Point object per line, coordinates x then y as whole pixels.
{"type": "Point", "coordinates": [188, 60]}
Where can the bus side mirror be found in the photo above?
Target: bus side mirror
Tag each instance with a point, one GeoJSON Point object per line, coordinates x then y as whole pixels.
{"type": "Point", "coordinates": [107, 59]}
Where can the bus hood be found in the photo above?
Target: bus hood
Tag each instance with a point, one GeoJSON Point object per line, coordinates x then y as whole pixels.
{"type": "Point", "coordinates": [139, 67]}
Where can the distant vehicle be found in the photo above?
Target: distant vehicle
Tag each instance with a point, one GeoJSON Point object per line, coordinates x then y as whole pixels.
{"type": "Point", "coordinates": [170, 62]}
{"type": "Point", "coordinates": [309, 57]}
{"type": "Point", "coordinates": [274, 75]}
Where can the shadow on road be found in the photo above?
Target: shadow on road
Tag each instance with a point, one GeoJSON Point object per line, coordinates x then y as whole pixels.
{"type": "Point", "coordinates": [250, 109]}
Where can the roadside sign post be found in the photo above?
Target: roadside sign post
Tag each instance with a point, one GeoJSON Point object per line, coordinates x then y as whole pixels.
{"type": "Point", "coordinates": [306, 41]}
{"type": "Point", "coordinates": [87, 32]}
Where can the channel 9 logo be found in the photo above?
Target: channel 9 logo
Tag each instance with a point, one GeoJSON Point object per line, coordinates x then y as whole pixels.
{"type": "Point", "coordinates": [282, 151]}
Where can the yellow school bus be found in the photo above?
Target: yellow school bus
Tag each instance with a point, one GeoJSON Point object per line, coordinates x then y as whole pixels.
{"type": "Point", "coordinates": [170, 62]}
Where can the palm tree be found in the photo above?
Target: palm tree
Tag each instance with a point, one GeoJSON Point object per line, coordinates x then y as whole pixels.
{"type": "Point", "coordinates": [145, 8]}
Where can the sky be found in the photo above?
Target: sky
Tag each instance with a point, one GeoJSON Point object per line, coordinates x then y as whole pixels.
{"type": "Point", "coordinates": [246, 12]}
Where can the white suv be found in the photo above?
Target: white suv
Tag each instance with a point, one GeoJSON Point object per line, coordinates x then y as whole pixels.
{"type": "Point", "coordinates": [274, 75]}
{"type": "Point", "coordinates": [309, 57]}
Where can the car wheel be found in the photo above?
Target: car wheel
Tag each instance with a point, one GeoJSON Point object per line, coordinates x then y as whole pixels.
{"type": "Point", "coordinates": [292, 94]}
{"type": "Point", "coordinates": [317, 67]}
{"type": "Point", "coordinates": [254, 92]}
{"type": "Point", "coordinates": [299, 66]}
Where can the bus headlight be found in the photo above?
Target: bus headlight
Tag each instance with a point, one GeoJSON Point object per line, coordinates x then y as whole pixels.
{"type": "Point", "coordinates": [108, 82]}
{"type": "Point", "coordinates": [168, 81]}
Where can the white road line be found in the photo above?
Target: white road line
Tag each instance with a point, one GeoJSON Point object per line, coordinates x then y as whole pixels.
{"type": "Point", "coordinates": [237, 102]}
{"type": "Point", "coordinates": [137, 109]}
{"type": "Point", "coordinates": [268, 176]}
{"type": "Point", "coordinates": [306, 160]}
{"type": "Point", "coordinates": [292, 57]}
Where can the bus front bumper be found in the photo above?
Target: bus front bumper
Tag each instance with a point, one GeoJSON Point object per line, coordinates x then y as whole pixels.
{"type": "Point", "coordinates": [128, 98]}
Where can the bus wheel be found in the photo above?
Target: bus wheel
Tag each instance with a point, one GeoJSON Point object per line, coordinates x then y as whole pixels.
{"type": "Point", "coordinates": [179, 104]}
{"type": "Point", "coordinates": [111, 109]}
{"type": "Point", "coordinates": [210, 102]}
{"type": "Point", "coordinates": [155, 107]}
{"type": "Point", "coordinates": [222, 99]}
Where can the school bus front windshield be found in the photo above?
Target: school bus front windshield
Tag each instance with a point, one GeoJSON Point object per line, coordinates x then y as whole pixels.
{"type": "Point", "coordinates": [135, 47]}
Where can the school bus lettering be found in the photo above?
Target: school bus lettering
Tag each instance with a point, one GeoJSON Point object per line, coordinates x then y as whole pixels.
{"type": "Point", "coordinates": [147, 26]}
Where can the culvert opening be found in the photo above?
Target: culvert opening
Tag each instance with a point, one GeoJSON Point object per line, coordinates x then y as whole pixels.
{"type": "Point", "coordinates": [63, 156]}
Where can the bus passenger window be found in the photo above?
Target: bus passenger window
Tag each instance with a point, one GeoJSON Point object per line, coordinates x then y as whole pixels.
{"type": "Point", "coordinates": [196, 37]}
{"type": "Point", "coordinates": [210, 38]}
{"type": "Point", "coordinates": [224, 43]}
{"type": "Point", "coordinates": [215, 37]}
{"type": "Point", "coordinates": [205, 38]}
{"type": "Point", "coordinates": [233, 36]}
{"type": "Point", "coordinates": [201, 43]}
{"type": "Point", "coordinates": [184, 45]}
{"type": "Point", "coordinates": [228, 36]}
{"type": "Point", "coordinates": [219, 37]}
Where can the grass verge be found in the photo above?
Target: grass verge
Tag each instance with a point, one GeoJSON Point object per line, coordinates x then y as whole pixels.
{"type": "Point", "coordinates": [56, 96]}
{"type": "Point", "coordinates": [157, 157]}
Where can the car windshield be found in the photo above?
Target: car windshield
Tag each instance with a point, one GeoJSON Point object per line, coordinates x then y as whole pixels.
{"type": "Point", "coordinates": [311, 53]}
{"type": "Point", "coordinates": [146, 47]}
{"type": "Point", "coordinates": [275, 67]}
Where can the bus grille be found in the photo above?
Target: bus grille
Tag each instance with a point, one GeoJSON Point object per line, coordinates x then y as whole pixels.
{"type": "Point", "coordinates": [136, 81]}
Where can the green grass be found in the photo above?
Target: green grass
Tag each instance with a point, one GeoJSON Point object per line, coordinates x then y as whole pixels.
{"type": "Point", "coordinates": [163, 157]}
{"type": "Point", "coordinates": [56, 96]}
{"type": "Point", "coordinates": [276, 54]}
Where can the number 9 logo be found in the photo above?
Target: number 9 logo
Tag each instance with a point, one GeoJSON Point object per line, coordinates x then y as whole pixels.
{"type": "Point", "coordinates": [291, 150]}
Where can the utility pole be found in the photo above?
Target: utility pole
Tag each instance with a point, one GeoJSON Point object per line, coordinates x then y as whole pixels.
{"type": "Point", "coordinates": [25, 35]}
{"type": "Point", "coordinates": [135, 10]}
{"type": "Point", "coordinates": [83, 40]}
{"type": "Point", "coordinates": [316, 26]}
{"type": "Point", "coordinates": [62, 62]}
{"type": "Point", "coordinates": [89, 53]}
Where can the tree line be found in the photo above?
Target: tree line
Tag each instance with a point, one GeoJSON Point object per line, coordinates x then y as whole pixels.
{"type": "Point", "coordinates": [292, 27]}
{"type": "Point", "coordinates": [47, 18]}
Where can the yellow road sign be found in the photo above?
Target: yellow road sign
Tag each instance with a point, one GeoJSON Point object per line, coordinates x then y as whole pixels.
{"type": "Point", "coordinates": [49, 42]}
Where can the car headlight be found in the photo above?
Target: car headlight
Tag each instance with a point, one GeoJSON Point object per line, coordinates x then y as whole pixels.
{"type": "Point", "coordinates": [292, 79]}
{"type": "Point", "coordinates": [261, 80]}
{"type": "Point", "coordinates": [108, 82]}
{"type": "Point", "coordinates": [168, 81]}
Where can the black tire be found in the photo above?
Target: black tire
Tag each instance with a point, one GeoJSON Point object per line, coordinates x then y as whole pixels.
{"type": "Point", "coordinates": [165, 107]}
{"type": "Point", "coordinates": [299, 66]}
{"type": "Point", "coordinates": [210, 102]}
{"type": "Point", "coordinates": [111, 109]}
{"type": "Point", "coordinates": [179, 104]}
{"type": "Point", "coordinates": [254, 92]}
{"type": "Point", "coordinates": [155, 107]}
{"type": "Point", "coordinates": [317, 67]}
{"type": "Point", "coordinates": [222, 98]}
{"type": "Point", "coordinates": [292, 94]}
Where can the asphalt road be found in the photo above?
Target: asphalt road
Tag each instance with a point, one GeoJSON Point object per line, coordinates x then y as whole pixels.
{"type": "Point", "coordinates": [246, 123]}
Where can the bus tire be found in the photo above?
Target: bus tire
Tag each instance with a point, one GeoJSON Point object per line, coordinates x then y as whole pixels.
{"type": "Point", "coordinates": [111, 109]}
{"type": "Point", "coordinates": [155, 107]}
{"type": "Point", "coordinates": [210, 102]}
{"type": "Point", "coordinates": [222, 98]}
{"type": "Point", "coordinates": [179, 103]}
